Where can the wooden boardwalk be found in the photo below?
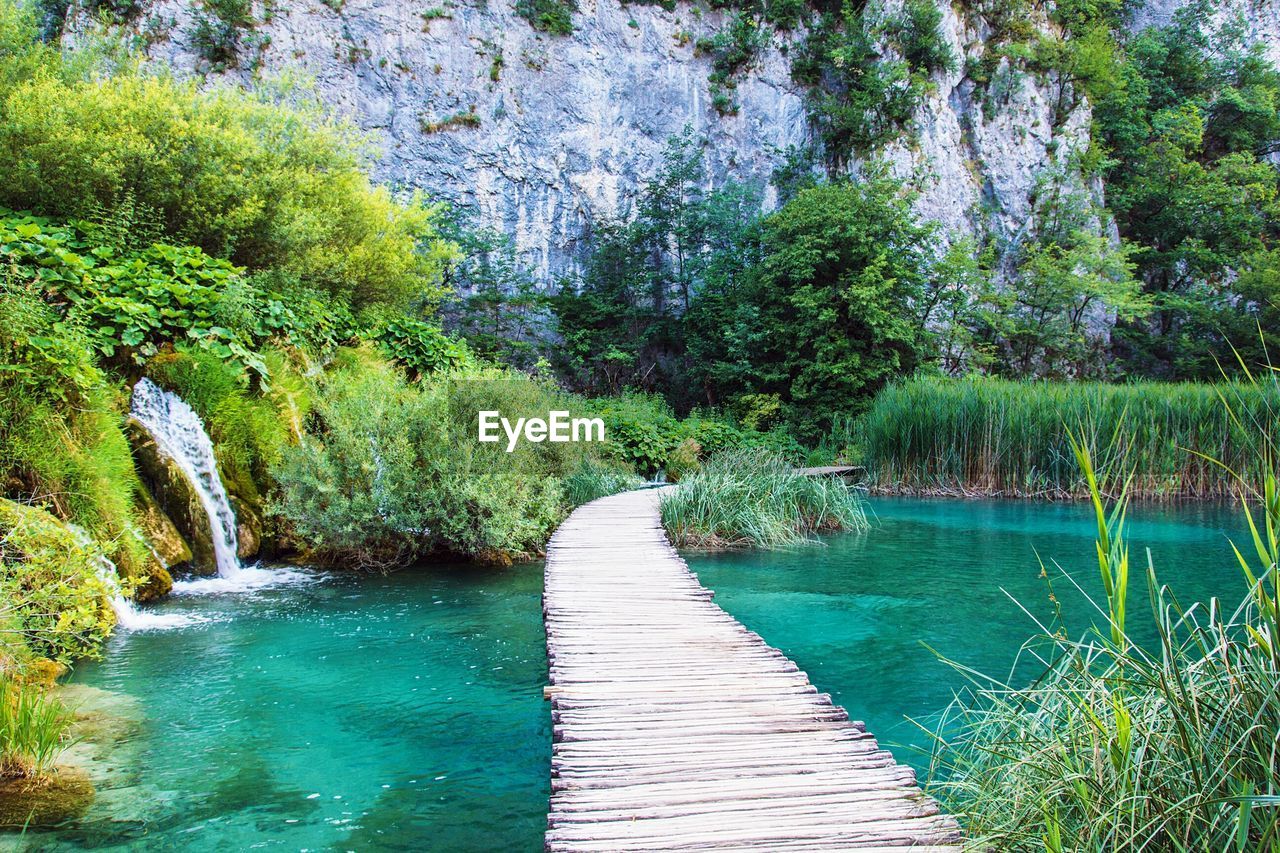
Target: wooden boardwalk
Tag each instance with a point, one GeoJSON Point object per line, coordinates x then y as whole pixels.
{"type": "Point", "coordinates": [676, 728]}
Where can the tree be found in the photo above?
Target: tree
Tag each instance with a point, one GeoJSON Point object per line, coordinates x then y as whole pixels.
{"type": "Point", "coordinates": [825, 313]}
{"type": "Point", "coordinates": [497, 304]}
{"type": "Point", "coordinates": [1186, 130]}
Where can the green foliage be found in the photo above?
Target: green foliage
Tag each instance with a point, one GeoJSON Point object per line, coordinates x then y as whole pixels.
{"type": "Point", "coordinates": [421, 348]}
{"type": "Point", "coordinates": [597, 479]}
{"type": "Point", "coordinates": [497, 305]}
{"type": "Point", "coordinates": [548, 16]}
{"type": "Point", "coordinates": [54, 598]}
{"type": "Point", "coordinates": [732, 51]}
{"type": "Point", "coordinates": [242, 176]}
{"type": "Point", "coordinates": [755, 498]}
{"type": "Point", "coordinates": [623, 326]}
{"type": "Point", "coordinates": [824, 317]}
{"type": "Point", "coordinates": [249, 430]}
{"type": "Point", "coordinates": [128, 304]}
{"type": "Point", "coordinates": [998, 437]}
{"type": "Point", "coordinates": [216, 36]}
{"type": "Point", "coordinates": [61, 442]}
{"type": "Point", "coordinates": [1067, 277]}
{"type": "Point", "coordinates": [392, 471]}
{"type": "Point", "coordinates": [858, 97]}
{"type": "Point", "coordinates": [1188, 126]}
{"type": "Point", "coordinates": [462, 118]}
{"type": "Point", "coordinates": [643, 432]}
{"type": "Point", "coordinates": [33, 729]}
{"type": "Point", "coordinates": [1124, 746]}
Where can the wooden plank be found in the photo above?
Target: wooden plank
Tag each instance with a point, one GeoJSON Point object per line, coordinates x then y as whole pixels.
{"type": "Point", "coordinates": [675, 727]}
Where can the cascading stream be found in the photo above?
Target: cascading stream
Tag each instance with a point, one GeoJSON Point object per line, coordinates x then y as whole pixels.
{"type": "Point", "coordinates": [180, 435]}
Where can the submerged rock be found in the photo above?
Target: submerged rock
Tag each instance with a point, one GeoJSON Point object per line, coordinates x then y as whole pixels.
{"type": "Point", "coordinates": [175, 498]}
{"type": "Point", "coordinates": [62, 795]}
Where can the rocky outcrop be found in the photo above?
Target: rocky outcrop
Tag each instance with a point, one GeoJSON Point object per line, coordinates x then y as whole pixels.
{"type": "Point", "coordinates": [160, 532]}
{"type": "Point", "coordinates": [545, 135]}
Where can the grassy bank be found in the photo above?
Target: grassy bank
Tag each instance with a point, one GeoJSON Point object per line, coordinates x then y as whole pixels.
{"type": "Point", "coordinates": [1004, 438]}
{"type": "Point", "coordinates": [754, 497]}
{"type": "Point", "coordinates": [1171, 745]}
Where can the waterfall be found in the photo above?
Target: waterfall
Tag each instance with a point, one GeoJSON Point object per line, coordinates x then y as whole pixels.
{"type": "Point", "coordinates": [180, 436]}
{"type": "Point", "coordinates": [129, 616]}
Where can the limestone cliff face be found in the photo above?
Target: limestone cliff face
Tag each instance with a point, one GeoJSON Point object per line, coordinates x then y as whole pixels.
{"type": "Point", "coordinates": [544, 135]}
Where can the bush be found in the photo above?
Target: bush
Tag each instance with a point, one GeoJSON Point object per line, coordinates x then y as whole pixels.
{"type": "Point", "coordinates": [548, 16]}
{"type": "Point", "coordinates": [51, 586]}
{"type": "Point", "coordinates": [249, 430]}
{"type": "Point", "coordinates": [421, 348]}
{"type": "Point", "coordinates": [241, 176]}
{"type": "Point", "coordinates": [756, 498]}
{"type": "Point", "coordinates": [390, 471]}
{"type": "Point", "coordinates": [62, 445]}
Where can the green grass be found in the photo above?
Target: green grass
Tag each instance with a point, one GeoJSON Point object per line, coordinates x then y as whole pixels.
{"type": "Point", "coordinates": [754, 497]}
{"type": "Point", "coordinates": [33, 729]}
{"type": "Point", "coordinates": [996, 437]}
{"type": "Point", "coordinates": [597, 479]}
{"type": "Point", "coordinates": [1172, 745]}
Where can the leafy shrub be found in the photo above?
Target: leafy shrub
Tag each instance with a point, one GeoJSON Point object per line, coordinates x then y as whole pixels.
{"type": "Point", "coordinates": [548, 16]}
{"type": "Point", "coordinates": [421, 348]}
{"type": "Point", "coordinates": [249, 430]}
{"type": "Point", "coordinates": [239, 175]}
{"type": "Point", "coordinates": [755, 498]}
{"type": "Point", "coordinates": [732, 51]}
{"type": "Point", "coordinates": [33, 728]}
{"type": "Point", "coordinates": [391, 471]}
{"type": "Point", "coordinates": [61, 441]}
{"type": "Point", "coordinates": [50, 583]}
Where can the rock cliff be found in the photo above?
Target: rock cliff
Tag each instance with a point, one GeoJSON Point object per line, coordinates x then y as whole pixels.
{"type": "Point", "coordinates": [543, 135]}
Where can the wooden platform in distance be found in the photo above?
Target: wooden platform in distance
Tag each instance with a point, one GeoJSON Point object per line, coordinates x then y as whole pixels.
{"type": "Point", "coordinates": [676, 728]}
{"type": "Point", "coordinates": [848, 472]}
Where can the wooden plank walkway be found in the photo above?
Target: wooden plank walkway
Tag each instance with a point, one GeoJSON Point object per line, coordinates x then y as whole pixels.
{"type": "Point", "coordinates": [676, 728]}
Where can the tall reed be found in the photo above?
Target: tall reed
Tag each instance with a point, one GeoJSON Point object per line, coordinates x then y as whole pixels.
{"type": "Point", "coordinates": [999, 437]}
{"type": "Point", "coordinates": [1125, 746]}
{"type": "Point", "coordinates": [33, 729]}
{"type": "Point", "coordinates": [754, 497]}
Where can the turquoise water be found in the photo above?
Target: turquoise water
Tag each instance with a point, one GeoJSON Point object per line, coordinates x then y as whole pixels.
{"type": "Point", "coordinates": [861, 615]}
{"type": "Point", "coordinates": [406, 712]}
{"type": "Point", "coordinates": [351, 713]}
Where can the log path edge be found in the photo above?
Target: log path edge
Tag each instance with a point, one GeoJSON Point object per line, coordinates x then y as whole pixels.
{"type": "Point", "coordinates": [676, 728]}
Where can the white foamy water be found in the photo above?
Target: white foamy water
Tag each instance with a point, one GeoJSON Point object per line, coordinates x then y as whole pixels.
{"type": "Point", "coordinates": [247, 579]}
{"type": "Point", "coordinates": [179, 434]}
{"type": "Point", "coordinates": [129, 616]}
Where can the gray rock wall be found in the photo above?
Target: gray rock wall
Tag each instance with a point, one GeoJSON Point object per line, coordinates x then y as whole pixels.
{"type": "Point", "coordinates": [573, 125]}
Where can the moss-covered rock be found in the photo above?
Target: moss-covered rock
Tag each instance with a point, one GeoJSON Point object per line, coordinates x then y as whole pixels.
{"type": "Point", "coordinates": [161, 533]}
{"type": "Point", "coordinates": [174, 496]}
{"type": "Point", "coordinates": [46, 801]}
{"type": "Point", "coordinates": [248, 527]}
